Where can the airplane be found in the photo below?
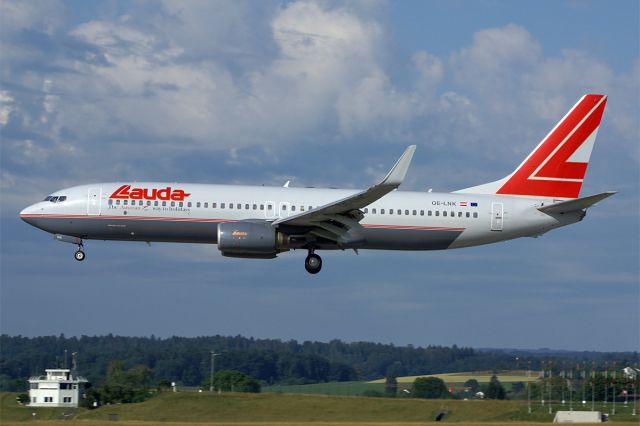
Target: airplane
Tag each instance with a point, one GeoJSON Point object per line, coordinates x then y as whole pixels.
{"type": "Point", "coordinates": [258, 222]}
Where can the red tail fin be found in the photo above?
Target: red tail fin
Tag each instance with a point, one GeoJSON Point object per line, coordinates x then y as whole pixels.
{"type": "Point", "coordinates": [557, 166]}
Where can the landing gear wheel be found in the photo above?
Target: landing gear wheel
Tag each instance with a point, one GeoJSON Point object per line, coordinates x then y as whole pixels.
{"type": "Point", "coordinates": [79, 255]}
{"type": "Point", "coordinates": [313, 263]}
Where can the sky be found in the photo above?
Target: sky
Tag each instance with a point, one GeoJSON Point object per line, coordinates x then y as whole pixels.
{"type": "Point", "coordinates": [321, 93]}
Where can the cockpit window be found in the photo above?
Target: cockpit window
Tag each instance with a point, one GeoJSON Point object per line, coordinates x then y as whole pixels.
{"type": "Point", "coordinates": [56, 199]}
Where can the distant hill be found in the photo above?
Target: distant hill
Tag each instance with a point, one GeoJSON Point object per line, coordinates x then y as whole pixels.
{"type": "Point", "coordinates": [186, 361]}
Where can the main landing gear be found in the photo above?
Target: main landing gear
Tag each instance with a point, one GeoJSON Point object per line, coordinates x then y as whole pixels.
{"type": "Point", "coordinates": [79, 254]}
{"type": "Point", "coordinates": [313, 263]}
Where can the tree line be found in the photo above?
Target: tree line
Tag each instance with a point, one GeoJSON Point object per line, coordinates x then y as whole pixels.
{"type": "Point", "coordinates": [186, 361]}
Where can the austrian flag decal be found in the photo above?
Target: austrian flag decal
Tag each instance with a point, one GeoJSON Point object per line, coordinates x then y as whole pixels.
{"type": "Point", "coordinates": [125, 192]}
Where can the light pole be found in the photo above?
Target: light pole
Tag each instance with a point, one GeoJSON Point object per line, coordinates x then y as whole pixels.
{"type": "Point", "coordinates": [213, 369]}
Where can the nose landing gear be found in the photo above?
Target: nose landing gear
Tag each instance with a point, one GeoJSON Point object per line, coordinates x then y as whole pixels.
{"type": "Point", "coordinates": [79, 254]}
{"type": "Point", "coordinates": [313, 263]}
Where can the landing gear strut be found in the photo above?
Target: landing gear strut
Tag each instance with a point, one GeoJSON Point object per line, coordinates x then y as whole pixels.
{"type": "Point", "coordinates": [79, 255]}
{"type": "Point", "coordinates": [313, 263]}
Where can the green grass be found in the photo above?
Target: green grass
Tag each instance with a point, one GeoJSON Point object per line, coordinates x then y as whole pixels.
{"type": "Point", "coordinates": [273, 409]}
{"type": "Point", "coordinates": [331, 388]}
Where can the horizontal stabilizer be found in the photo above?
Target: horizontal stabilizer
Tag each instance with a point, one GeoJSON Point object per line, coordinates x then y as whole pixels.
{"type": "Point", "coordinates": [575, 205]}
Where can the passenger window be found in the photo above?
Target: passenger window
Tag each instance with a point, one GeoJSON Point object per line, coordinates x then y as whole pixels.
{"type": "Point", "coordinates": [366, 210]}
{"type": "Point", "coordinates": [407, 212]}
{"type": "Point", "coordinates": [246, 206]}
{"type": "Point", "coordinates": [230, 205]}
{"type": "Point", "coordinates": [222, 205]}
{"type": "Point", "coordinates": [117, 202]}
{"type": "Point", "coordinates": [310, 207]}
{"type": "Point", "coordinates": [206, 205]}
{"type": "Point", "coordinates": [198, 204]}
{"type": "Point", "coordinates": [180, 204]}
{"type": "Point", "coordinates": [373, 211]}
{"type": "Point", "coordinates": [261, 206]}
{"type": "Point", "coordinates": [468, 214]}
{"type": "Point", "coordinates": [429, 213]}
{"type": "Point", "coordinates": [459, 214]}
{"type": "Point", "coordinates": [390, 211]}
{"type": "Point", "coordinates": [381, 211]}
{"type": "Point", "coordinates": [415, 213]}
{"type": "Point", "coordinates": [475, 215]}
{"type": "Point", "coordinates": [125, 202]}
{"type": "Point", "coordinates": [140, 202]}
{"type": "Point", "coordinates": [444, 213]}
{"type": "Point", "coordinates": [269, 207]}
{"type": "Point", "coordinates": [164, 204]}
{"type": "Point", "coordinates": [284, 207]}
{"type": "Point", "coordinates": [189, 204]}
{"type": "Point", "coordinates": [214, 205]}
{"type": "Point", "coordinates": [148, 203]}
{"type": "Point", "coordinates": [421, 212]}
{"type": "Point", "coordinates": [110, 202]}
{"type": "Point", "coordinates": [437, 212]}
{"type": "Point", "coordinates": [399, 211]}
{"type": "Point", "coordinates": [293, 208]}
{"type": "Point", "coordinates": [155, 203]}
{"type": "Point", "coordinates": [173, 204]}
{"type": "Point", "coordinates": [453, 214]}
{"type": "Point", "coordinates": [239, 206]}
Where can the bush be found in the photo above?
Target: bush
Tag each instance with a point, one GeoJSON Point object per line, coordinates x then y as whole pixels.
{"type": "Point", "coordinates": [429, 387]}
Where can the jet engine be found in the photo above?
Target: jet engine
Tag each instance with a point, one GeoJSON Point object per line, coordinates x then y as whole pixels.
{"type": "Point", "coordinates": [251, 239]}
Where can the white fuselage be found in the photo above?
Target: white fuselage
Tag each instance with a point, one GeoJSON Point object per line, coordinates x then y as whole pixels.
{"type": "Point", "coordinates": [398, 221]}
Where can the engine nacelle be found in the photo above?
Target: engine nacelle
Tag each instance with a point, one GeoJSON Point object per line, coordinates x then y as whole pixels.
{"type": "Point", "coordinates": [247, 239]}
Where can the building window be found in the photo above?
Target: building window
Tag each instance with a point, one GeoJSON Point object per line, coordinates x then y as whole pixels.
{"type": "Point", "coordinates": [34, 400]}
{"type": "Point", "coordinates": [33, 386]}
{"type": "Point", "coordinates": [48, 399]}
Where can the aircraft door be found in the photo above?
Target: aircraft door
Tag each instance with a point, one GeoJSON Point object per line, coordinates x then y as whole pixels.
{"type": "Point", "coordinates": [94, 198]}
{"type": "Point", "coordinates": [270, 209]}
{"type": "Point", "coordinates": [497, 213]}
{"type": "Point", "coordinates": [284, 209]}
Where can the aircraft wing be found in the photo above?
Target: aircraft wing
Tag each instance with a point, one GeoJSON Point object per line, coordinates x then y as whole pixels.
{"type": "Point", "coordinates": [335, 219]}
{"type": "Point", "coordinates": [575, 205]}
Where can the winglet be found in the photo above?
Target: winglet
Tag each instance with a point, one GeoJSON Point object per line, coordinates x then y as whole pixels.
{"type": "Point", "coordinates": [399, 171]}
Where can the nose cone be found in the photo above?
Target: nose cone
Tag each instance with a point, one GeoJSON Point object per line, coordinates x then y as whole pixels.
{"type": "Point", "coordinates": [28, 214]}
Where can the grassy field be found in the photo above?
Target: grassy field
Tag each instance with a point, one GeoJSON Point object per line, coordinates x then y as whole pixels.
{"type": "Point", "coordinates": [275, 409]}
{"type": "Point", "coordinates": [330, 388]}
{"type": "Point", "coordinates": [481, 376]}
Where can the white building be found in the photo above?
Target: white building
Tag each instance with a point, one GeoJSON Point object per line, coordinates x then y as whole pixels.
{"type": "Point", "coordinates": [61, 387]}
